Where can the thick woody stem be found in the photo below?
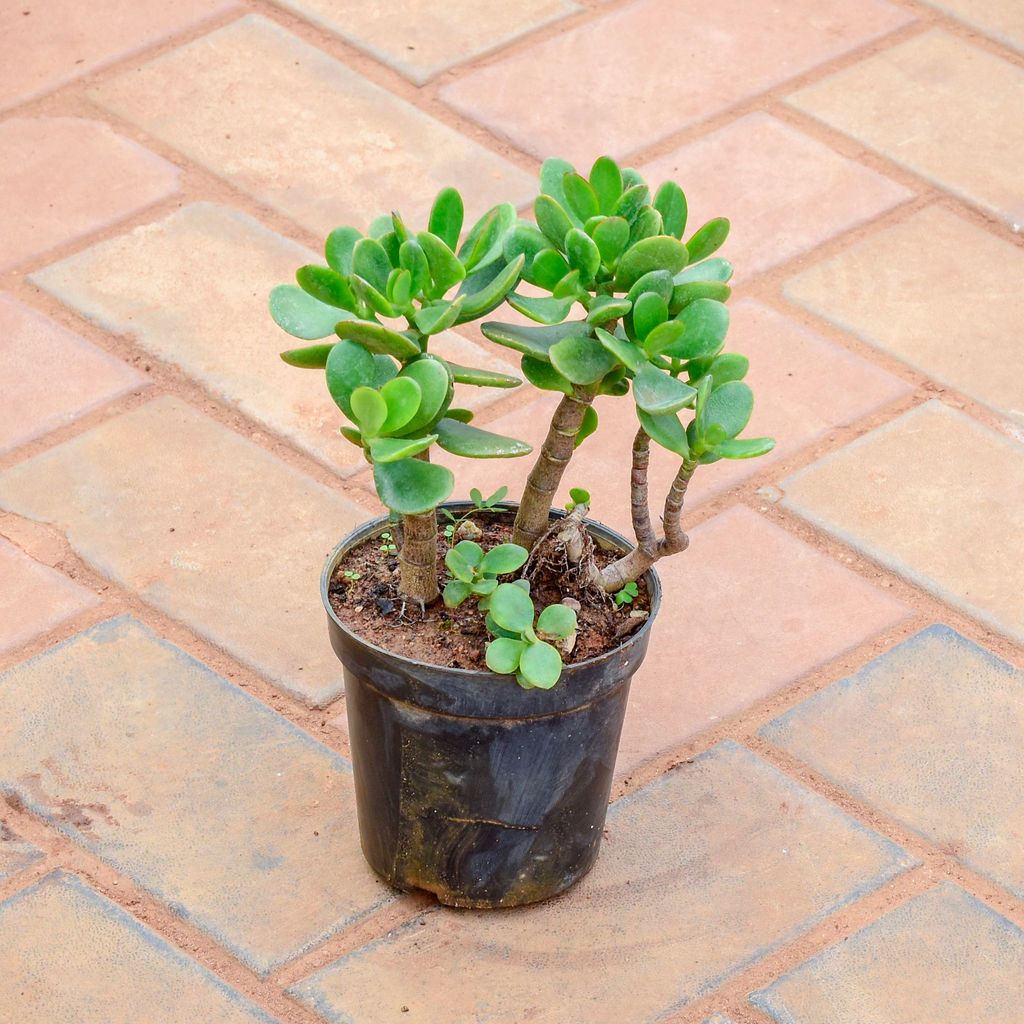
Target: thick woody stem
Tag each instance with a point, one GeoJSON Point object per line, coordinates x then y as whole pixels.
{"type": "Point", "coordinates": [417, 559]}
{"type": "Point", "coordinates": [546, 475]}
{"type": "Point", "coordinates": [638, 501]}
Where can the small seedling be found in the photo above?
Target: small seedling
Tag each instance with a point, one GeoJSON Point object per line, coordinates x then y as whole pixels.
{"type": "Point", "coordinates": [626, 594]}
{"type": "Point", "coordinates": [521, 646]}
{"type": "Point", "coordinates": [351, 575]}
{"type": "Point", "coordinates": [487, 504]}
{"type": "Point", "coordinates": [476, 572]}
{"type": "Point", "coordinates": [387, 544]}
{"type": "Point", "coordinates": [577, 496]}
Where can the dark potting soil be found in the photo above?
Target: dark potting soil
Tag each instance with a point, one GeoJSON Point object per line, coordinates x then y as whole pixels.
{"type": "Point", "coordinates": [371, 607]}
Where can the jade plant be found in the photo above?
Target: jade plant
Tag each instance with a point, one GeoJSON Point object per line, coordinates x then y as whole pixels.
{"type": "Point", "coordinates": [624, 302]}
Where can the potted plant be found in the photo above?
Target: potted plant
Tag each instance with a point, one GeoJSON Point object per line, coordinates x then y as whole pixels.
{"type": "Point", "coordinates": [488, 646]}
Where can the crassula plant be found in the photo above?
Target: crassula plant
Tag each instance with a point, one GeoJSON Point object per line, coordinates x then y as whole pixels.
{"type": "Point", "coordinates": [625, 303]}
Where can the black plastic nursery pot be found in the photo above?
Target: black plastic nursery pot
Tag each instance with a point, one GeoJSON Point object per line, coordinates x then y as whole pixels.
{"type": "Point", "coordinates": [467, 785]}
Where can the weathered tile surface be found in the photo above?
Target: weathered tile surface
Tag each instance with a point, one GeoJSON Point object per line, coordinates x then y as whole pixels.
{"type": "Point", "coordinates": [939, 107]}
{"type": "Point", "coordinates": [935, 496]}
{"type": "Point", "coordinates": [15, 854]}
{"type": "Point", "coordinates": [1001, 19]}
{"type": "Point", "coordinates": [667, 913]}
{"type": "Point", "coordinates": [805, 386]}
{"type": "Point", "coordinates": [719, 1018]}
{"type": "Point", "coordinates": [70, 956]}
{"type": "Point", "coordinates": [783, 191]}
{"type": "Point", "coordinates": [241, 823]}
{"type": "Point", "coordinates": [47, 199]}
{"type": "Point", "coordinates": [203, 525]}
{"type": "Point", "coordinates": [420, 40]}
{"type": "Point", "coordinates": [35, 403]}
{"type": "Point", "coordinates": [307, 135]}
{"type": "Point", "coordinates": [936, 291]}
{"type": "Point", "coordinates": [942, 958]}
{"type": "Point", "coordinates": [34, 598]}
{"type": "Point", "coordinates": [45, 43]}
{"type": "Point", "coordinates": [929, 733]}
{"type": "Point", "coordinates": [771, 609]}
{"type": "Point", "coordinates": [675, 63]}
{"type": "Point", "coordinates": [221, 265]}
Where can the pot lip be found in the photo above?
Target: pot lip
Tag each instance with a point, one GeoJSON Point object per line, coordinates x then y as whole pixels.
{"type": "Point", "coordinates": [595, 527]}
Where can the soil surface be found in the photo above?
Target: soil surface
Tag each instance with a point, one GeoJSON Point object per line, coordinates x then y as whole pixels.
{"type": "Point", "coordinates": [371, 607]}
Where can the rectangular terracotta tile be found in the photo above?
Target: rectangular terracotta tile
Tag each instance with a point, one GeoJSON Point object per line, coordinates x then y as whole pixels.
{"type": "Point", "coordinates": [942, 958]}
{"type": "Point", "coordinates": [934, 495]}
{"type": "Point", "coordinates": [205, 526]}
{"type": "Point", "coordinates": [784, 192]}
{"type": "Point", "coordinates": [307, 135]}
{"type": "Point", "coordinates": [758, 861]}
{"type": "Point", "coordinates": [1003, 20]}
{"type": "Point", "coordinates": [34, 402]}
{"type": "Point", "coordinates": [630, 77]}
{"type": "Point", "coordinates": [421, 40]}
{"type": "Point", "coordinates": [940, 107]}
{"type": "Point", "coordinates": [46, 43]}
{"type": "Point", "coordinates": [942, 758]}
{"type": "Point", "coordinates": [241, 823]}
{"type": "Point", "coordinates": [805, 387]}
{"type": "Point", "coordinates": [748, 609]}
{"type": "Point", "coordinates": [15, 853]}
{"type": "Point", "coordinates": [70, 956]}
{"type": "Point", "coordinates": [34, 598]}
{"type": "Point", "coordinates": [47, 200]}
{"type": "Point", "coordinates": [936, 291]}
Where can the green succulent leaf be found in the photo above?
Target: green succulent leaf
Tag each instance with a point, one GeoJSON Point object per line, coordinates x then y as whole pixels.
{"type": "Point", "coordinates": [532, 341]}
{"type": "Point", "coordinates": [580, 196]}
{"type": "Point", "coordinates": [312, 358]}
{"type": "Point", "coordinates": [503, 559]}
{"type": "Point", "coordinates": [726, 367]}
{"type": "Point", "coordinates": [446, 217]}
{"type": "Point", "coordinates": [402, 396]}
{"type": "Point", "coordinates": [454, 593]}
{"type": "Point", "coordinates": [439, 316]}
{"type": "Point", "coordinates": [379, 226]}
{"type": "Point", "coordinates": [568, 287]}
{"type": "Point", "coordinates": [588, 425]}
{"type": "Point", "coordinates": [708, 239]}
{"type": "Point", "coordinates": [486, 239]}
{"type": "Point", "coordinates": [579, 496]}
{"type": "Point", "coordinates": [581, 359]}
{"type": "Point", "coordinates": [663, 337]}
{"type": "Point", "coordinates": [512, 608]}
{"type": "Point", "coordinates": [376, 337]}
{"type": "Point", "coordinates": [624, 351]}
{"type": "Point", "coordinates": [544, 376]}
{"type": "Point", "coordinates": [542, 310]}
{"type": "Point", "coordinates": [349, 366]}
{"type": "Point", "coordinates": [632, 200]}
{"type": "Point", "coordinates": [400, 288]}
{"type": "Point", "coordinates": [503, 653]}
{"type": "Point", "coordinates": [540, 665]}
{"type": "Point", "coordinates": [446, 270]}
{"type": "Point", "coordinates": [369, 410]}
{"type": "Point", "coordinates": [584, 256]}
{"type": "Point", "coordinates": [473, 443]}
{"type": "Point", "coordinates": [657, 281]}
{"type": "Point", "coordinates": [369, 296]}
{"type": "Point", "coordinates": [552, 174]}
{"type": "Point", "coordinates": [649, 311]}
{"type": "Point", "coordinates": [646, 224]}
{"type": "Point", "coordinates": [481, 378]}
{"type": "Point", "coordinates": [462, 415]}
{"type": "Point", "coordinates": [557, 620]}
{"type": "Point", "coordinates": [436, 390]}
{"type": "Point", "coordinates": [391, 244]}
{"type": "Point", "coordinates": [608, 307]}
{"type": "Point", "coordinates": [666, 430]}
{"type": "Point", "coordinates": [611, 237]}
{"type": "Point", "coordinates": [670, 202]}
{"type": "Point", "coordinates": [370, 262]}
{"type": "Point", "coordinates": [606, 181]}
{"type": "Point", "coordinates": [548, 268]}
{"type": "Point", "coordinates": [615, 384]}
{"type": "Point", "coordinates": [745, 448]}
{"type": "Point", "coordinates": [301, 315]}
{"type": "Point", "coordinates": [526, 240]}
{"type": "Point", "coordinates": [327, 286]}
{"type": "Point", "coordinates": [660, 253]}
{"type": "Point", "coordinates": [338, 249]}
{"type": "Point", "coordinates": [691, 291]}
{"type": "Point", "coordinates": [391, 449]}
{"type": "Point", "coordinates": [714, 269]}
{"type": "Point", "coordinates": [353, 435]}
{"type": "Point", "coordinates": [705, 324]}
{"type": "Point", "coordinates": [412, 486]}
{"type": "Point", "coordinates": [728, 406]}
{"type": "Point", "coordinates": [658, 393]}
{"type": "Point", "coordinates": [490, 295]}
{"type": "Point", "coordinates": [458, 566]}
{"type": "Point", "coordinates": [552, 219]}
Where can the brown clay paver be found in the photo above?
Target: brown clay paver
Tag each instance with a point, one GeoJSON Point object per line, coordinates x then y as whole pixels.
{"type": "Point", "coordinates": [47, 199]}
{"type": "Point", "coordinates": [654, 67]}
{"type": "Point", "coordinates": [34, 402]}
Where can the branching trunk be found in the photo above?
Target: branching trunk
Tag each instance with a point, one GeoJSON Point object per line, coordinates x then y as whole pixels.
{"type": "Point", "coordinates": [546, 475]}
{"type": "Point", "coordinates": [417, 559]}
